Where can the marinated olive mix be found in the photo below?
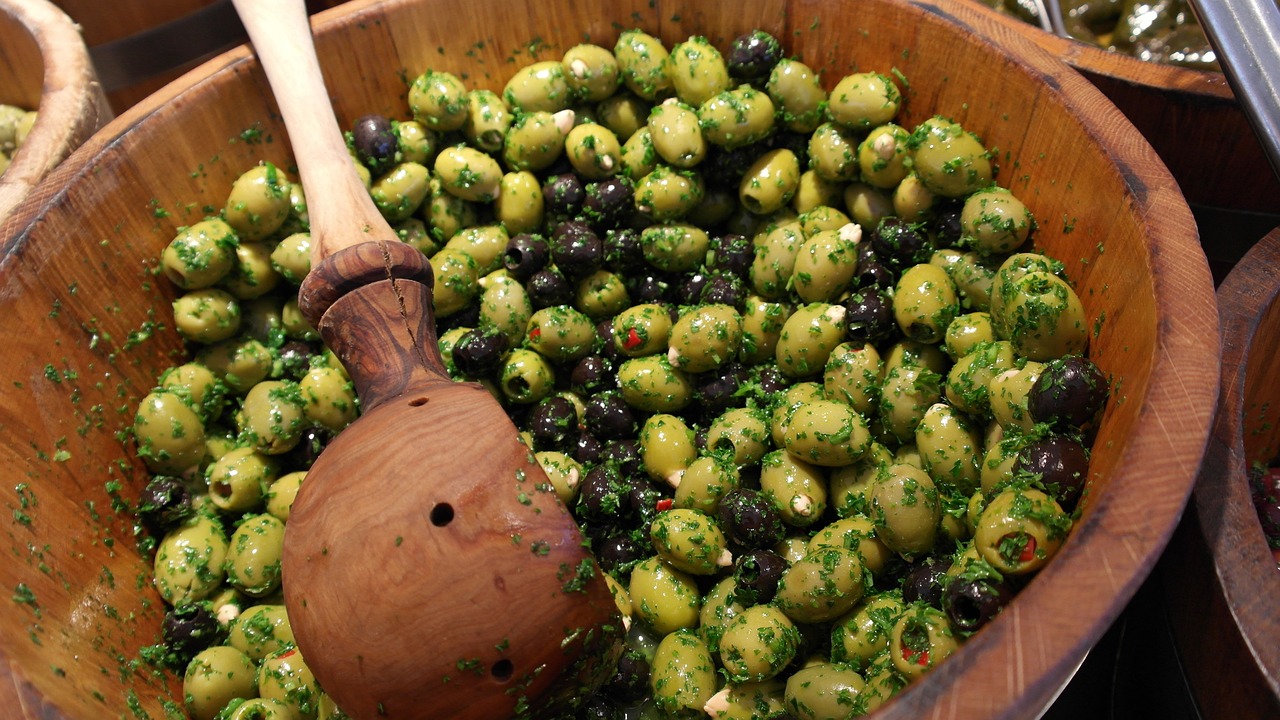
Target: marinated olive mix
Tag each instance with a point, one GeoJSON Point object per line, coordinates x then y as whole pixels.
{"type": "Point", "coordinates": [795, 367]}
{"type": "Point", "coordinates": [15, 125]}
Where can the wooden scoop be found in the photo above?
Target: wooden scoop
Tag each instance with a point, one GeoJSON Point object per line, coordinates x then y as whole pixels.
{"type": "Point", "coordinates": [429, 569]}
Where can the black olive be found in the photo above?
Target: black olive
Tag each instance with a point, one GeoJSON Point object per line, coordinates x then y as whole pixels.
{"type": "Point", "coordinates": [608, 417]}
{"type": "Point", "coordinates": [731, 253]}
{"type": "Point", "coordinates": [295, 358]}
{"type": "Point", "coordinates": [944, 220]}
{"type": "Point", "coordinates": [750, 519]}
{"type": "Point", "coordinates": [164, 503]}
{"type": "Point", "coordinates": [188, 629]}
{"type": "Point", "coordinates": [970, 604]}
{"type": "Point", "coordinates": [375, 143]}
{"type": "Point", "coordinates": [753, 55]}
{"type": "Point", "coordinates": [618, 552]}
{"type": "Point", "coordinates": [563, 195]}
{"type": "Point", "coordinates": [690, 290]}
{"type": "Point", "coordinates": [866, 252]}
{"type": "Point", "coordinates": [304, 454]}
{"type": "Point", "coordinates": [623, 455]}
{"type": "Point", "coordinates": [604, 331]}
{"type": "Point", "coordinates": [631, 681]}
{"type": "Point", "coordinates": [603, 497]}
{"type": "Point", "coordinates": [609, 203]}
{"type": "Point", "coordinates": [924, 583]}
{"type": "Point", "coordinates": [871, 274]}
{"type": "Point", "coordinates": [757, 573]}
{"type": "Point", "coordinates": [797, 143]}
{"type": "Point", "coordinates": [868, 317]}
{"type": "Point", "coordinates": [652, 288]}
{"type": "Point", "coordinates": [1070, 393]}
{"type": "Point", "coordinates": [577, 251]}
{"type": "Point", "coordinates": [899, 245]}
{"type": "Point", "coordinates": [590, 375]}
{"type": "Point", "coordinates": [716, 390]}
{"type": "Point", "coordinates": [587, 449]}
{"type": "Point", "coordinates": [479, 352]}
{"type": "Point", "coordinates": [553, 423]}
{"type": "Point", "coordinates": [548, 288]}
{"type": "Point", "coordinates": [600, 707]}
{"type": "Point", "coordinates": [771, 380]}
{"type": "Point", "coordinates": [724, 167]}
{"type": "Point", "coordinates": [525, 255]}
{"type": "Point", "coordinates": [467, 317]}
{"type": "Point", "coordinates": [724, 289]}
{"type": "Point", "coordinates": [1269, 517]}
{"type": "Point", "coordinates": [623, 252]}
{"type": "Point", "coordinates": [1062, 464]}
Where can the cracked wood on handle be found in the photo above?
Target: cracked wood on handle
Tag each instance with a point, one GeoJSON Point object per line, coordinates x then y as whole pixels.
{"type": "Point", "coordinates": [428, 570]}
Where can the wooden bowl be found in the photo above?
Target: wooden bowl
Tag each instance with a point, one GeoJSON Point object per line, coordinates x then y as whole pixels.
{"type": "Point", "coordinates": [86, 317]}
{"type": "Point", "coordinates": [44, 65]}
{"type": "Point", "coordinates": [1194, 123]}
{"type": "Point", "coordinates": [1222, 580]}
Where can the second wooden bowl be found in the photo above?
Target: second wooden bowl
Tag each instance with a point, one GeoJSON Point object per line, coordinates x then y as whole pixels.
{"type": "Point", "coordinates": [44, 65]}
{"type": "Point", "coordinates": [87, 326]}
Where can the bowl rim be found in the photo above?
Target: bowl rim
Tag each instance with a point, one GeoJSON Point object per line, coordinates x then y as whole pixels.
{"type": "Point", "coordinates": [1180, 394]}
{"type": "Point", "coordinates": [69, 90]}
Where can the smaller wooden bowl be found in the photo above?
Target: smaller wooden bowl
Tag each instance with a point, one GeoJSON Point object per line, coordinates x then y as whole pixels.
{"type": "Point", "coordinates": [1222, 582]}
{"type": "Point", "coordinates": [1192, 120]}
{"type": "Point", "coordinates": [44, 64]}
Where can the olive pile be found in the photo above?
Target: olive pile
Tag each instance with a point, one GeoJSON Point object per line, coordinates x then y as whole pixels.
{"type": "Point", "coordinates": [1264, 491]}
{"type": "Point", "coordinates": [817, 409]}
{"type": "Point", "coordinates": [15, 125]}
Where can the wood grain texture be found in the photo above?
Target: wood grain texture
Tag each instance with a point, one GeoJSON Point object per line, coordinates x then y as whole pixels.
{"type": "Point", "coordinates": [1220, 574]}
{"type": "Point", "coordinates": [1189, 116]}
{"type": "Point", "coordinates": [44, 65]}
{"type": "Point", "coordinates": [1107, 206]}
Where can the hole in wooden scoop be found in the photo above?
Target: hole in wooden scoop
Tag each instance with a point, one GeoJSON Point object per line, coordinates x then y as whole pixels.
{"type": "Point", "coordinates": [442, 514]}
{"type": "Point", "coordinates": [418, 402]}
{"type": "Point", "coordinates": [502, 670]}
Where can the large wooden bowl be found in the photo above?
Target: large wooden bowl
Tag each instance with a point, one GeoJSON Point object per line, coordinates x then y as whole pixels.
{"type": "Point", "coordinates": [44, 65]}
{"type": "Point", "coordinates": [1194, 123]}
{"type": "Point", "coordinates": [85, 318]}
{"type": "Point", "coordinates": [1222, 580]}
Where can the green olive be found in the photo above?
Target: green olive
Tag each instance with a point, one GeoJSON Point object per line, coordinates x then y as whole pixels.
{"type": "Point", "coordinates": [906, 508]}
{"type": "Point", "coordinates": [624, 114]}
{"type": "Point", "coordinates": [1004, 286]}
{"type": "Point", "coordinates": [704, 482]}
{"type": "Point", "coordinates": [705, 338]}
{"type": "Point", "coordinates": [738, 117]}
{"type": "Point", "coordinates": [667, 193]}
{"type": "Point", "coordinates": [258, 203]}
{"type": "Point", "coordinates": [857, 638]}
{"type": "Point", "coordinates": [291, 257]}
{"type": "Point", "coordinates": [797, 489]}
{"type": "Point", "coordinates": [188, 565]}
{"type": "Point", "coordinates": [925, 303]}
{"type": "Point", "coordinates": [822, 586]}
{"type": "Point", "coordinates": [797, 92]}
{"type": "Point", "coordinates": [272, 416]}
{"type": "Point", "coordinates": [253, 555]}
{"type": "Point", "coordinates": [683, 675]}
{"type": "Point", "coordinates": [638, 156]}
{"type": "Point", "coordinates": [401, 191]}
{"type": "Point", "coordinates": [564, 472]}
{"type": "Point", "coordinates": [853, 375]}
{"type": "Point", "coordinates": [913, 201]}
{"type": "Point", "coordinates": [861, 101]}
{"type": "Point", "coordinates": [601, 295]}
{"type": "Point", "coordinates": [762, 323]}
{"type": "Point", "coordinates": [446, 213]}
{"type": "Point", "coordinates": [739, 435]}
{"type": "Point", "coordinates": [747, 701]}
{"type": "Point", "coordinates": [833, 153]}
{"type": "Point", "coordinates": [770, 182]}
{"type": "Point", "coordinates": [676, 247]}
{"type": "Point", "coordinates": [921, 639]}
{"type": "Point", "coordinates": [784, 408]}
{"type": "Point", "coordinates": [215, 677]}
{"type": "Point", "coordinates": [775, 259]}
{"type": "Point", "coordinates": [970, 378]}
{"type": "Point", "coordinates": [282, 492]}
{"type": "Point", "coordinates": [641, 330]}
{"type": "Point", "coordinates": [650, 383]}
{"type": "Point", "coordinates": [488, 120]}
{"type": "Point", "coordinates": [415, 142]}
{"type": "Point", "coordinates": [520, 205]}
{"type": "Point", "coordinates": [536, 139]}
{"type": "Point", "coordinates": [691, 541]}
{"type": "Point", "coordinates": [968, 331]}
{"type": "Point", "coordinates": [561, 333]}
{"type": "Point", "coordinates": [815, 192]}
{"type": "Point", "coordinates": [1007, 395]}
{"type": "Point", "coordinates": [439, 101]}
{"type": "Point", "coordinates": [329, 398]}
{"type": "Point", "coordinates": [594, 151]}
{"type": "Point", "coordinates": [591, 71]}
{"type": "Point", "coordinates": [644, 64]}
{"type": "Point", "coordinates": [238, 480]}
{"type": "Point", "coordinates": [285, 678]}
{"type": "Point", "coordinates": [758, 644]}
{"type": "Point", "coordinates": [200, 255]}
{"type": "Point", "coordinates": [950, 449]}
{"type": "Point", "coordinates": [856, 534]}
{"type": "Point", "coordinates": [697, 70]}
{"type": "Point", "coordinates": [198, 386]}
{"type": "Point", "coordinates": [169, 433]}
{"type": "Point", "coordinates": [882, 156]}
{"type": "Point", "coordinates": [1045, 319]}
{"type": "Point", "coordinates": [950, 161]}
{"type": "Point", "coordinates": [826, 433]}
{"type": "Point", "coordinates": [867, 205]}
{"type": "Point", "coordinates": [208, 315]}
{"type": "Point", "coordinates": [808, 337]}
{"type": "Point", "coordinates": [826, 263]}
{"type": "Point", "coordinates": [261, 631]}
{"type": "Point", "coordinates": [526, 376]}
{"type": "Point", "coordinates": [456, 283]}
{"type": "Point", "coordinates": [1020, 530]}
{"type": "Point", "coordinates": [676, 135]}
{"type": "Point", "coordinates": [666, 449]}
{"type": "Point", "coordinates": [824, 691]}
{"type": "Point", "coordinates": [468, 173]}
{"type": "Point", "coordinates": [993, 221]}
{"type": "Point", "coordinates": [665, 598]}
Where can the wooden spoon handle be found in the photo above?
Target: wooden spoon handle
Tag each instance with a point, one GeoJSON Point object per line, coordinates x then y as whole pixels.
{"type": "Point", "coordinates": [339, 207]}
